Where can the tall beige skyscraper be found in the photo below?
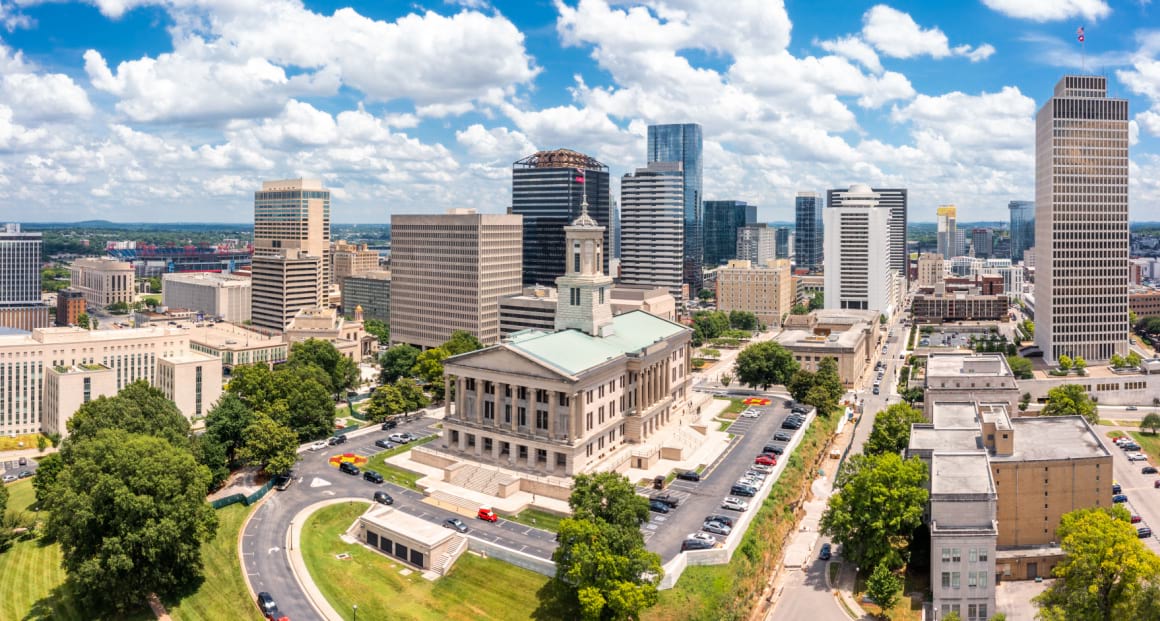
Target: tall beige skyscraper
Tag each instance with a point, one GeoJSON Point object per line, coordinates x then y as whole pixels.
{"type": "Point", "coordinates": [291, 250]}
{"type": "Point", "coordinates": [448, 273]}
{"type": "Point", "coordinates": [1081, 221]}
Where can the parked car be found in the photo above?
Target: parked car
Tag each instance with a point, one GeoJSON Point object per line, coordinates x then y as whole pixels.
{"type": "Point", "coordinates": [743, 490]}
{"type": "Point", "coordinates": [1156, 483]}
{"type": "Point", "coordinates": [487, 515]}
{"type": "Point", "coordinates": [1129, 446]}
{"type": "Point", "coordinates": [717, 528]}
{"type": "Point", "coordinates": [283, 481]}
{"type": "Point", "coordinates": [826, 552]}
{"type": "Point", "coordinates": [762, 468]}
{"type": "Point", "coordinates": [373, 477]}
{"type": "Point", "coordinates": [876, 390]}
{"type": "Point", "coordinates": [781, 436]}
{"type": "Point", "coordinates": [8, 478]}
{"type": "Point", "coordinates": [1136, 519]}
{"type": "Point", "coordinates": [697, 544]}
{"type": "Point", "coordinates": [765, 460]}
{"type": "Point", "coordinates": [333, 440]}
{"type": "Point", "coordinates": [1149, 470]}
{"type": "Point", "coordinates": [319, 446]}
{"type": "Point", "coordinates": [1118, 498]}
{"type": "Point", "coordinates": [390, 424]}
{"type": "Point", "coordinates": [399, 438]}
{"type": "Point", "coordinates": [24, 474]}
{"type": "Point", "coordinates": [703, 536]}
{"type": "Point", "coordinates": [773, 449]}
{"type": "Point", "coordinates": [1143, 532]}
{"type": "Point", "coordinates": [658, 506]}
{"type": "Point", "coordinates": [751, 414]}
{"type": "Point", "coordinates": [1137, 457]}
{"type": "Point", "coordinates": [724, 519]}
{"type": "Point", "coordinates": [668, 499]}
{"type": "Point", "coordinates": [455, 524]}
{"type": "Point", "coordinates": [383, 498]}
{"type": "Point", "coordinates": [1116, 489]}
{"type": "Point", "coordinates": [410, 436]}
{"type": "Point", "coordinates": [1131, 408]}
{"type": "Point", "coordinates": [267, 604]}
{"type": "Point", "coordinates": [349, 468]}
{"type": "Point", "coordinates": [23, 461]}
{"type": "Point", "coordinates": [734, 504]}
{"type": "Point", "coordinates": [755, 474]}
{"type": "Point", "coordinates": [690, 475]}
{"type": "Point", "coordinates": [385, 444]}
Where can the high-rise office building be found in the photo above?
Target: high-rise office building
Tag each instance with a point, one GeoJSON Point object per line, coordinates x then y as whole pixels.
{"type": "Point", "coordinates": [808, 230]}
{"type": "Point", "coordinates": [20, 305]}
{"type": "Point", "coordinates": [682, 143]}
{"type": "Point", "coordinates": [291, 265]}
{"type": "Point", "coordinates": [945, 234]}
{"type": "Point", "coordinates": [351, 260]}
{"type": "Point", "coordinates": [1081, 221]}
{"type": "Point", "coordinates": [615, 232]}
{"type": "Point", "coordinates": [858, 274]}
{"type": "Point", "coordinates": [722, 219]}
{"type": "Point", "coordinates": [982, 241]}
{"type": "Point", "coordinates": [652, 227]}
{"type": "Point", "coordinates": [782, 243]}
{"type": "Point", "coordinates": [547, 189]}
{"type": "Point", "coordinates": [894, 199]}
{"type": "Point", "coordinates": [370, 291]}
{"type": "Point", "coordinates": [1001, 248]}
{"type": "Point", "coordinates": [756, 243]}
{"type": "Point", "coordinates": [448, 273]}
{"type": "Point", "coordinates": [1022, 227]}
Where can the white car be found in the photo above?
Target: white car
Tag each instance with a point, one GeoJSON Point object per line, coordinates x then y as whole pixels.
{"type": "Point", "coordinates": [754, 474]}
{"type": "Point", "coordinates": [703, 536]}
{"type": "Point", "coordinates": [1137, 457]}
{"type": "Point", "coordinates": [751, 414]}
{"type": "Point", "coordinates": [8, 478]}
{"type": "Point", "coordinates": [319, 446]}
{"type": "Point", "coordinates": [734, 504]}
{"type": "Point", "coordinates": [762, 468]}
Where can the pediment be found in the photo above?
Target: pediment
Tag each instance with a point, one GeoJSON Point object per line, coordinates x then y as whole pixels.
{"type": "Point", "coordinates": [499, 360]}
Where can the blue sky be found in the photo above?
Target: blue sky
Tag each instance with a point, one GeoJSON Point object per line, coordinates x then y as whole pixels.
{"type": "Point", "coordinates": [175, 110]}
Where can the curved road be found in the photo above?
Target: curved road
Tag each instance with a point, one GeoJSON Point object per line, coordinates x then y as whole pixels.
{"type": "Point", "coordinates": [265, 561]}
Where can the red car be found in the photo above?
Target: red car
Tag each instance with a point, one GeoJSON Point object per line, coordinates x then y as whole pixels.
{"type": "Point", "coordinates": [765, 460]}
{"type": "Point", "coordinates": [1136, 519]}
{"type": "Point", "coordinates": [487, 515]}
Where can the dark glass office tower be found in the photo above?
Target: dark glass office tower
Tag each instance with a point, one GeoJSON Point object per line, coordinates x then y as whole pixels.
{"type": "Point", "coordinates": [781, 241]}
{"type": "Point", "coordinates": [1022, 227]}
{"type": "Point", "coordinates": [722, 219]}
{"type": "Point", "coordinates": [682, 143]}
{"type": "Point", "coordinates": [547, 189]}
{"type": "Point", "coordinates": [895, 199]}
{"type": "Point", "coordinates": [808, 231]}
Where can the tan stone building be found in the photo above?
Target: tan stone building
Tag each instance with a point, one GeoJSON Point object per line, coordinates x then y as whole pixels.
{"type": "Point", "coordinates": [931, 270]}
{"type": "Point", "coordinates": [765, 290]}
{"type": "Point", "coordinates": [562, 402]}
{"type": "Point", "coordinates": [654, 301]}
{"type": "Point", "coordinates": [351, 260]}
{"type": "Point", "coordinates": [235, 344]}
{"type": "Point", "coordinates": [848, 336]}
{"type": "Point", "coordinates": [291, 264]}
{"type": "Point", "coordinates": [411, 540]}
{"type": "Point", "coordinates": [224, 296]}
{"type": "Point", "coordinates": [967, 378]}
{"type": "Point", "coordinates": [103, 281]}
{"type": "Point", "coordinates": [1144, 302]}
{"type": "Point", "coordinates": [326, 324]}
{"type": "Point", "coordinates": [806, 285]}
{"type": "Point", "coordinates": [448, 273]}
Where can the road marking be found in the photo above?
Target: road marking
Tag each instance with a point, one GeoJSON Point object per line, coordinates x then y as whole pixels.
{"type": "Point", "coordinates": [317, 482]}
{"type": "Point", "coordinates": [273, 550]}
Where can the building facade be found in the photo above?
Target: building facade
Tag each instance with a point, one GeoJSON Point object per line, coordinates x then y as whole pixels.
{"type": "Point", "coordinates": [683, 143]}
{"type": "Point", "coordinates": [1145, 302]}
{"type": "Point", "coordinates": [652, 227]}
{"type": "Point", "coordinates": [1022, 227]}
{"type": "Point", "coordinates": [963, 532]}
{"type": "Point", "coordinates": [370, 291]}
{"type": "Point", "coordinates": [533, 309]}
{"type": "Point", "coordinates": [20, 303]}
{"type": "Point", "coordinates": [848, 337]}
{"type": "Point", "coordinates": [809, 231]}
{"type": "Point", "coordinates": [937, 308]}
{"type": "Point", "coordinates": [722, 219]}
{"type": "Point", "coordinates": [236, 345]}
{"type": "Point", "coordinates": [547, 190]}
{"type": "Point", "coordinates": [783, 248]}
{"type": "Point", "coordinates": [982, 242]}
{"type": "Point", "coordinates": [764, 290]}
{"type": "Point", "coordinates": [1081, 222]}
{"type": "Point", "coordinates": [756, 243]}
{"type": "Point", "coordinates": [103, 281]}
{"type": "Point", "coordinates": [455, 266]}
{"type": "Point", "coordinates": [858, 254]}
{"type": "Point", "coordinates": [931, 270]}
{"type": "Point", "coordinates": [70, 305]}
{"type": "Point", "coordinates": [946, 231]}
{"type": "Point", "coordinates": [351, 260]}
{"type": "Point", "coordinates": [214, 295]}
{"type": "Point", "coordinates": [291, 242]}
{"type": "Point", "coordinates": [894, 200]}
{"type": "Point", "coordinates": [281, 285]}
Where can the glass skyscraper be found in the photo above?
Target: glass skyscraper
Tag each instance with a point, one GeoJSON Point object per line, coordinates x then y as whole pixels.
{"type": "Point", "coordinates": [682, 143]}
{"type": "Point", "coordinates": [808, 230]}
{"type": "Point", "coordinates": [1022, 227]}
{"type": "Point", "coordinates": [722, 219]}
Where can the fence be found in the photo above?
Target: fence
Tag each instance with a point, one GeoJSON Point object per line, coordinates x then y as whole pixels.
{"type": "Point", "coordinates": [242, 498]}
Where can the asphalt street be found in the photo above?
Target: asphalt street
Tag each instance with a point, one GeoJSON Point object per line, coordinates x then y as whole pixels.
{"type": "Point", "coordinates": [267, 564]}
{"type": "Point", "coordinates": [1143, 496]}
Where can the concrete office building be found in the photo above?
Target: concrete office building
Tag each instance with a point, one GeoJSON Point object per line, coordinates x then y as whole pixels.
{"type": "Point", "coordinates": [764, 290]}
{"type": "Point", "coordinates": [1001, 247]}
{"type": "Point", "coordinates": [1144, 302]}
{"type": "Point", "coordinates": [963, 532]}
{"type": "Point", "coordinates": [533, 309]}
{"type": "Point", "coordinates": [547, 190]}
{"type": "Point", "coordinates": [968, 377]}
{"type": "Point", "coordinates": [351, 260]}
{"type": "Point", "coordinates": [370, 291]}
{"type": "Point", "coordinates": [722, 219]}
{"type": "Point", "coordinates": [559, 403]}
{"type": "Point", "coordinates": [291, 264]}
{"type": "Point", "coordinates": [946, 230]}
{"type": "Point", "coordinates": [931, 270]}
{"type": "Point", "coordinates": [326, 324]}
{"type": "Point", "coordinates": [20, 304]}
{"type": "Point", "coordinates": [858, 254]}
{"type": "Point", "coordinates": [784, 243]}
{"type": "Point", "coordinates": [454, 267]}
{"type": "Point", "coordinates": [235, 345]}
{"type": "Point", "coordinates": [214, 295]}
{"type": "Point", "coordinates": [103, 281]}
{"type": "Point", "coordinates": [894, 200]}
{"type": "Point", "coordinates": [982, 242]}
{"type": "Point", "coordinates": [683, 143]}
{"type": "Point", "coordinates": [1022, 227]}
{"type": "Point", "coordinates": [48, 371]}
{"type": "Point", "coordinates": [1081, 222]}
{"type": "Point", "coordinates": [809, 231]}
{"type": "Point", "coordinates": [652, 218]}
{"type": "Point", "coordinates": [941, 307]}
{"type": "Point", "coordinates": [756, 243]}
{"type": "Point", "coordinates": [847, 336]}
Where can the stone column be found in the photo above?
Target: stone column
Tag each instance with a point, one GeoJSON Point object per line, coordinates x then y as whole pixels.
{"type": "Point", "coordinates": [447, 396]}
{"type": "Point", "coordinates": [639, 392]}
{"type": "Point", "coordinates": [515, 408]}
{"type": "Point", "coordinates": [552, 400]}
{"type": "Point", "coordinates": [460, 399]}
{"type": "Point", "coordinates": [497, 403]}
{"type": "Point", "coordinates": [577, 430]}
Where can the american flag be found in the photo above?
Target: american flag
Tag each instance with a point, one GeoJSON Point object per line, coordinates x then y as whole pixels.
{"type": "Point", "coordinates": [1079, 34]}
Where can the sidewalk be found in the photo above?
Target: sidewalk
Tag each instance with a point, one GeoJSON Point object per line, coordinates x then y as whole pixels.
{"type": "Point", "coordinates": [298, 564]}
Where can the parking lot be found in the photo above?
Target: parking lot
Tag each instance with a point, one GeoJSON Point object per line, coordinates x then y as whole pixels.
{"type": "Point", "coordinates": [664, 532]}
{"type": "Point", "coordinates": [12, 468]}
{"type": "Point", "coordinates": [945, 338]}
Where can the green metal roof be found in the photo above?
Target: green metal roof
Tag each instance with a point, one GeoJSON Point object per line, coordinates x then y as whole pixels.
{"type": "Point", "coordinates": [573, 351]}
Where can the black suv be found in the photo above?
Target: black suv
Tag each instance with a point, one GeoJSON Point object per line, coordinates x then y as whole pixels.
{"type": "Point", "coordinates": [724, 519]}
{"type": "Point", "coordinates": [390, 425]}
{"type": "Point", "coordinates": [373, 476]}
{"type": "Point", "coordinates": [690, 475]}
{"type": "Point", "coordinates": [332, 440]}
{"type": "Point", "coordinates": [743, 490]}
{"type": "Point", "coordinates": [384, 498]}
{"type": "Point", "coordinates": [781, 436]}
{"type": "Point", "coordinates": [696, 544]}
{"type": "Point", "coordinates": [772, 449]}
{"type": "Point", "coordinates": [668, 499]}
{"type": "Point", "coordinates": [283, 481]}
{"type": "Point", "coordinates": [267, 605]}
{"type": "Point", "coordinates": [349, 468]}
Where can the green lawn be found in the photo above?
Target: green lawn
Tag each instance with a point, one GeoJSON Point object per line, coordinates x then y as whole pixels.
{"type": "Point", "coordinates": [33, 581]}
{"type": "Point", "coordinates": [1149, 443]}
{"type": "Point", "coordinates": [538, 518]}
{"type": "Point", "coordinates": [395, 474]}
{"type": "Point", "coordinates": [906, 609]}
{"type": "Point", "coordinates": [736, 406]}
{"type": "Point", "coordinates": [371, 580]}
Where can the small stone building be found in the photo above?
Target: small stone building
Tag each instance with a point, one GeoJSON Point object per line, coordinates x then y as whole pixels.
{"type": "Point", "coordinates": [411, 540]}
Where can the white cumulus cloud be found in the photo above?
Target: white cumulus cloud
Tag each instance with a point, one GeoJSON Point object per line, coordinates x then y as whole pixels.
{"type": "Point", "coordinates": [1050, 10]}
{"type": "Point", "coordinates": [896, 34]}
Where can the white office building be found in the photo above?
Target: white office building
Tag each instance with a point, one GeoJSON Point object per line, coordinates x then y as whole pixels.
{"type": "Point", "coordinates": [857, 250]}
{"type": "Point", "coordinates": [652, 227]}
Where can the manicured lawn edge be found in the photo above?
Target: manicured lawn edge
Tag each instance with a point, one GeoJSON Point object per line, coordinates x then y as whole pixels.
{"type": "Point", "coordinates": [399, 476]}
{"type": "Point", "coordinates": [537, 518]}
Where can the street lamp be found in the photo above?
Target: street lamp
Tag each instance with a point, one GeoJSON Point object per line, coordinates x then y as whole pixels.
{"type": "Point", "coordinates": [356, 612]}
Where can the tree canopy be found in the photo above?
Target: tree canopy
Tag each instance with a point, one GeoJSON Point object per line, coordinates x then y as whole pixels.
{"type": "Point", "coordinates": [1070, 400]}
{"type": "Point", "coordinates": [295, 396]}
{"type": "Point", "coordinates": [765, 364]}
{"type": "Point", "coordinates": [883, 587]}
{"type": "Point", "coordinates": [130, 514]}
{"type": "Point", "coordinates": [269, 444]}
{"type": "Point", "coordinates": [743, 320]}
{"type": "Point", "coordinates": [891, 431]}
{"type": "Point", "coordinates": [877, 508]}
{"type": "Point", "coordinates": [1151, 422]}
{"type": "Point", "coordinates": [227, 422]}
{"type": "Point", "coordinates": [341, 372]}
{"type": "Point", "coordinates": [397, 362]}
{"type": "Point", "coordinates": [137, 408]}
{"type": "Point", "coordinates": [429, 368]}
{"type": "Point", "coordinates": [1020, 366]}
{"type": "Point", "coordinates": [378, 329]}
{"type": "Point", "coordinates": [461, 342]}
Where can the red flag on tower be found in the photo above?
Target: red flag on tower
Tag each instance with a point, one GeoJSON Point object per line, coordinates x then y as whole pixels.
{"type": "Point", "coordinates": [1079, 34]}
{"type": "Point", "coordinates": [579, 175]}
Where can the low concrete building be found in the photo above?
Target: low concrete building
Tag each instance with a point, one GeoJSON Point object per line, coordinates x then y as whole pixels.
{"type": "Point", "coordinates": [969, 378]}
{"type": "Point", "coordinates": [370, 291]}
{"type": "Point", "coordinates": [931, 270]}
{"type": "Point", "coordinates": [351, 260]}
{"type": "Point", "coordinates": [414, 541]}
{"type": "Point", "coordinates": [766, 290]}
{"type": "Point", "coordinates": [534, 309]}
{"type": "Point", "coordinates": [67, 388]}
{"type": "Point", "coordinates": [934, 308]}
{"type": "Point", "coordinates": [652, 300]}
{"type": "Point", "coordinates": [806, 285]}
{"type": "Point", "coordinates": [103, 281]}
{"type": "Point", "coordinates": [223, 296]}
{"type": "Point", "coordinates": [236, 345]}
{"type": "Point", "coordinates": [349, 337]}
{"type": "Point", "coordinates": [848, 336]}
{"type": "Point", "coordinates": [1144, 302]}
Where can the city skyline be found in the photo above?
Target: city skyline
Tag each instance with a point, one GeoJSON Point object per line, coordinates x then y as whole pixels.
{"type": "Point", "coordinates": [95, 123]}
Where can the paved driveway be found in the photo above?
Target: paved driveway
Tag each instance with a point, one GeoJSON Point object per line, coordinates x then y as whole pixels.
{"type": "Point", "coordinates": [805, 595]}
{"type": "Point", "coordinates": [1014, 598]}
{"type": "Point", "coordinates": [1143, 496]}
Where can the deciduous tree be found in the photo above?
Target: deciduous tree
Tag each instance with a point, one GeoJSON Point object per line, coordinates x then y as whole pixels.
{"type": "Point", "coordinates": [412, 396]}
{"type": "Point", "coordinates": [1065, 362]}
{"type": "Point", "coordinates": [397, 362]}
{"type": "Point", "coordinates": [47, 471]}
{"type": "Point", "coordinates": [384, 403]}
{"type": "Point", "coordinates": [227, 422]}
{"type": "Point", "coordinates": [884, 586]}
{"type": "Point", "coordinates": [429, 368]}
{"type": "Point", "coordinates": [1020, 366]}
{"type": "Point", "coordinates": [137, 408]}
{"type": "Point", "coordinates": [800, 384]}
{"type": "Point", "coordinates": [341, 372]}
{"type": "Point", "coordinates": [461, 342]}
{"type": "Point", "coordinates": [269, 444]}
{"type": "Point", "coordinates": [891, 431]}
{"type": "Point", "coordinates": [1070, 400]}
{"type": "Point", "coordinates": [378, 329]}
{"type": "Point", "coordinates": [765, 364]}
{"type": "Point", "coordinates": [1151, 422]}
